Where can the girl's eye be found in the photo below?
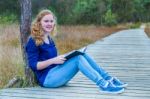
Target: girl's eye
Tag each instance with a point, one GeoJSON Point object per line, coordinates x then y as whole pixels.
{"type": "Point", "coordinates": [46, 21]}
{"type": "Point", "coordinates": [51, 21]}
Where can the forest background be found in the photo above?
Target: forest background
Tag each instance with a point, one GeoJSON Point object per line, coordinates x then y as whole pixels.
{"type": "Point", "coordinates": [99, 12]}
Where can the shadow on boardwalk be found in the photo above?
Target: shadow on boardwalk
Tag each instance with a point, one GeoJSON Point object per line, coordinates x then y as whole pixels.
{"type": "Point", "coordinates": [124, 54]}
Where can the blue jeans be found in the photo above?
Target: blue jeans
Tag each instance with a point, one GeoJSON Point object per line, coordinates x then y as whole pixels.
{"type": "Point", "coordinates": [61, 74]}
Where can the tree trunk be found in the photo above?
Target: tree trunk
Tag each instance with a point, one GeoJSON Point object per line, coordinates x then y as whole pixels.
{"type": "Point", "coordinates": [24, 33]}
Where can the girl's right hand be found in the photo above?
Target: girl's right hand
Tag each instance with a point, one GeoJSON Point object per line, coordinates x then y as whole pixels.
{"type": "Point", "coordinates": [59, 59]}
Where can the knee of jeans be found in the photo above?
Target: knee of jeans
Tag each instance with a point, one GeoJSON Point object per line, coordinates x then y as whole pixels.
{"type": "Point", "coordinates": [80, 57]}
{"type": "Point", "coordinates": [86, 55]}
{"type": "Point", "coordinates": [77, 58]}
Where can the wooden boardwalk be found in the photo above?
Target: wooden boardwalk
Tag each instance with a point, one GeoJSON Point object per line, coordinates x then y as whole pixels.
{"type": "Point", "coordinates": [125, 54]}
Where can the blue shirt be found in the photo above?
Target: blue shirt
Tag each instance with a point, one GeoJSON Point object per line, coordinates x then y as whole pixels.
{"type": "Point", "coordinates": [40, 53]}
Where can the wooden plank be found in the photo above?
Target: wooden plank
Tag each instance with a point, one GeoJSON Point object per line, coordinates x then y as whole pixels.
{"type": "Point", "coordinates": [52, 92]}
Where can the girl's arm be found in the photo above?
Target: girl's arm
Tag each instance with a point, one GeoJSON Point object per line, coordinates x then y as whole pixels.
{"type": "Point", "coordinates": [56, 60]}
{"type": "Point", "coordinates": [33, 54]}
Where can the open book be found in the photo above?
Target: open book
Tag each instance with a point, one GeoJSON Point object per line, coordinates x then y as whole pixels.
{"type": "Point", "coordinates": [75, 53]}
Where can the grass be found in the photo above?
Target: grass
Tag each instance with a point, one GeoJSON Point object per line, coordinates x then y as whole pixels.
{"type": "Point", "coordinates": [10, 53]}
{"type": "Point", "coordinates": [73, 37]}
{"type": "Point", "coordinates": [69, 38]}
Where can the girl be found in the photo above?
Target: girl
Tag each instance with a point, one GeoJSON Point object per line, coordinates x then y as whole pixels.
{"type": "Point", "coordinates": [54, 70]}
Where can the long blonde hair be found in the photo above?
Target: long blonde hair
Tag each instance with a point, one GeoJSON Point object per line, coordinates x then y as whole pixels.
{"type": "Point", "coordinates": [36, 28]}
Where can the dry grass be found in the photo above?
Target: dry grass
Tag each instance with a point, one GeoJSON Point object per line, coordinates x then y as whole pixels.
{"type": "Point", "coordinates": [73, 37]}
{"type": "Point", "coordinates": [10, 53]}
{"type": "Point", "coordinates": [147, 29]}
{"type": "Point", "coordinates": [69, 38]}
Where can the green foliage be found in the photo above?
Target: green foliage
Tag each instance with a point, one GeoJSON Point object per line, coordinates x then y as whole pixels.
{"type": "Point", "coordinates": [10, 18]}
{"type": "Point", "coordinates": [82, 11]}
{"type": "Point", "coordinates": [134, 25]}
{"type": "Point", "coordinates": [88, 11]}
{"type": "Point", "coordinates": [101, 12]}
{"type": "Point", "coordinates": [110, 18]}
{"type": "Point", "coordinates": [9, 6]}
{"type": "Point", "coordinates": [62, 9]}
{"type": "Point", "coordinates": [84, 5]}
{"type": "Point", "coordinates": [123, 9]}
{"type": "Point", "coordinates": [9, 11]}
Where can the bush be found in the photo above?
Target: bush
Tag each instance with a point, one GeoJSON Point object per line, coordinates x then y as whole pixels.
{"type": "Point", "coordinates": [11, 18]}
{"type": "Point", "coordinates": [87, 12]}
{"type": "Point", "coordinates": [110, 18]}
{"type": "Point", "coordinates": [134, 25]}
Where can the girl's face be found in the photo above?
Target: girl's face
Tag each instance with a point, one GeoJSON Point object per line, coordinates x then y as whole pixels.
{"type": "Point", "coordinates": [48, 23]}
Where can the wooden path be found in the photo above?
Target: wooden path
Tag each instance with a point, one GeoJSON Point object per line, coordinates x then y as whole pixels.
{"type": "Point", "coordinates": [125, 54]}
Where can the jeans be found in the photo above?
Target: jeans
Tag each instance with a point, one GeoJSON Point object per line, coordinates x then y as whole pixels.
{"type": "Point", "coordinates": [61, 74]}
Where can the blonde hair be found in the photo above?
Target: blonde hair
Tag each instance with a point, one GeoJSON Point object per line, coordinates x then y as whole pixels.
{"type": "Point", "coordinates": [36, 28]}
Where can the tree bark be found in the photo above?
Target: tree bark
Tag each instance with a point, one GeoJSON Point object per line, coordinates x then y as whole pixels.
{"type": "Point", "coordinates": [25, 24]}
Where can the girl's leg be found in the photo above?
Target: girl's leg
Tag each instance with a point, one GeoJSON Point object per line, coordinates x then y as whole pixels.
{"type": "Point", "coordinates": [90, 69]}
{"type": "Point", "coordinates": [103, 73]}
{"type": "Point", "coordinates": [98, 68]}
{"type": "Point", "coordinates": [61, 74]}
{"type": "Point", "coordinates": [92, 74]}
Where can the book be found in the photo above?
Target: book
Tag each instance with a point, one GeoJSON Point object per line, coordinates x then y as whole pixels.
{"type": "Point", "coordinates": [75, 53]}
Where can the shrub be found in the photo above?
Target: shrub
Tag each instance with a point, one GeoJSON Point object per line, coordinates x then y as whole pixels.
{"type": "Point", "coordinates": [11, 18]}
{"type": "Point", "coordinates": [134, 25]}
{"type": "Point", "coordinates": [110, 18]}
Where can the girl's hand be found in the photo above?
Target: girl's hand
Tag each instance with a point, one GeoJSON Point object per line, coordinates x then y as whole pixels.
{"type": "Point", "coordinates": [59, 59]}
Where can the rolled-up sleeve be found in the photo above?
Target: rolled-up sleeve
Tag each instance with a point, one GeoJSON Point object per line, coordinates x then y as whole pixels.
{"type": "Point", "coordinates": [32, 54]}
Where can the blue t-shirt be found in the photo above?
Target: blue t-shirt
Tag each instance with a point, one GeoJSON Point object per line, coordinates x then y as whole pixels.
{"type": "Point", "coordinates": [40, 53]}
